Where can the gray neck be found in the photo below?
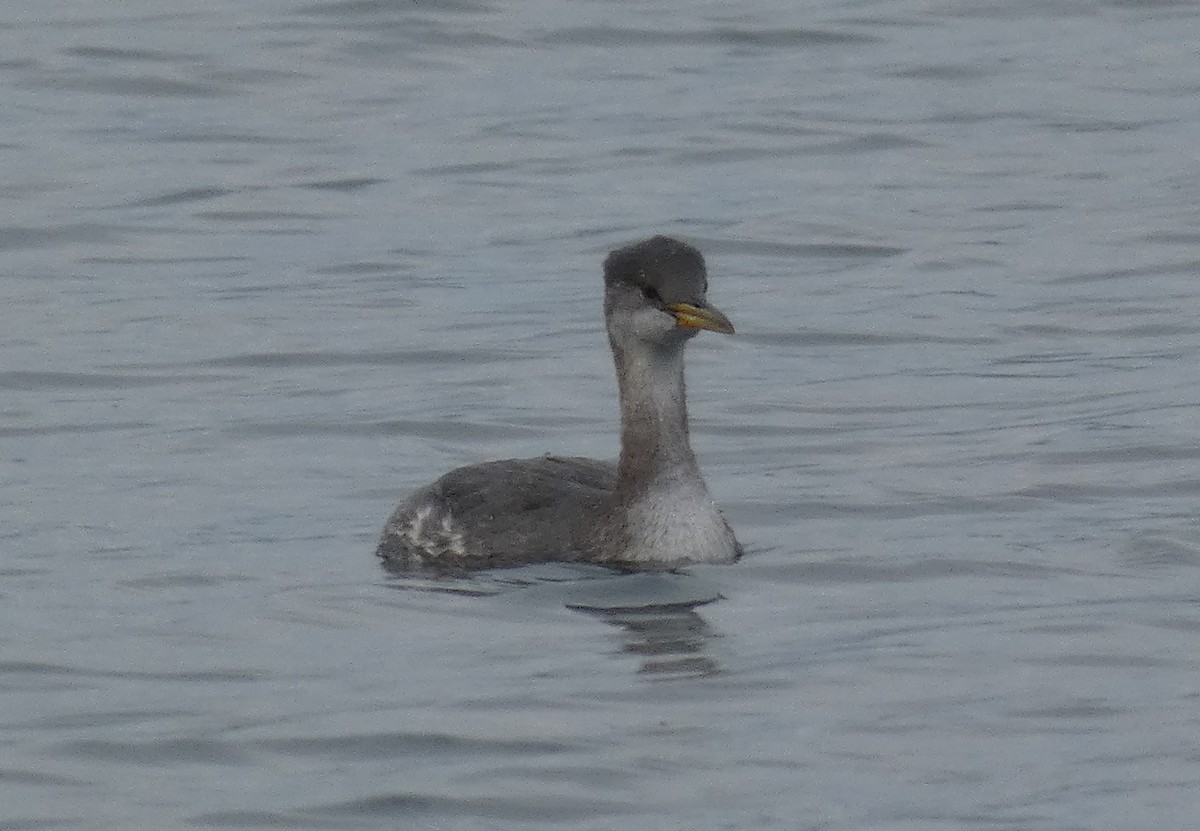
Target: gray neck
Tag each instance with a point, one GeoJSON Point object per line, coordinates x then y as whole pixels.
{"type": "Point", "coordinates": [655, 451]}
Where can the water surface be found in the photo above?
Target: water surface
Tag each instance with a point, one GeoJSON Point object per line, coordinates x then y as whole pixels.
{"type": "Point", "coordinates": [267, 266]}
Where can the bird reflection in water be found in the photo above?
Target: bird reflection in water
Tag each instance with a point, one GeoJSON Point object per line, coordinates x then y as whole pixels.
{"type": "Point", "coordinates": [671, 640]}
{"type": "Point", "coordinates": [656, 612]}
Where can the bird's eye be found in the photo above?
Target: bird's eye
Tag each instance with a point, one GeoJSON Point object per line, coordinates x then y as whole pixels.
{"type": "Point", "coordinates": [651, 294]}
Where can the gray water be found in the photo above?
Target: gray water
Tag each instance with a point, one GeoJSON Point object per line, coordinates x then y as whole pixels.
{"type": "Point", "coordinates": [268, 265]}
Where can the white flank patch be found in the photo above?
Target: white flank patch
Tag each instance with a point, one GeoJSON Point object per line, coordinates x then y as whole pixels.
{"type": "Point", "coordinates": [433, 536]}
